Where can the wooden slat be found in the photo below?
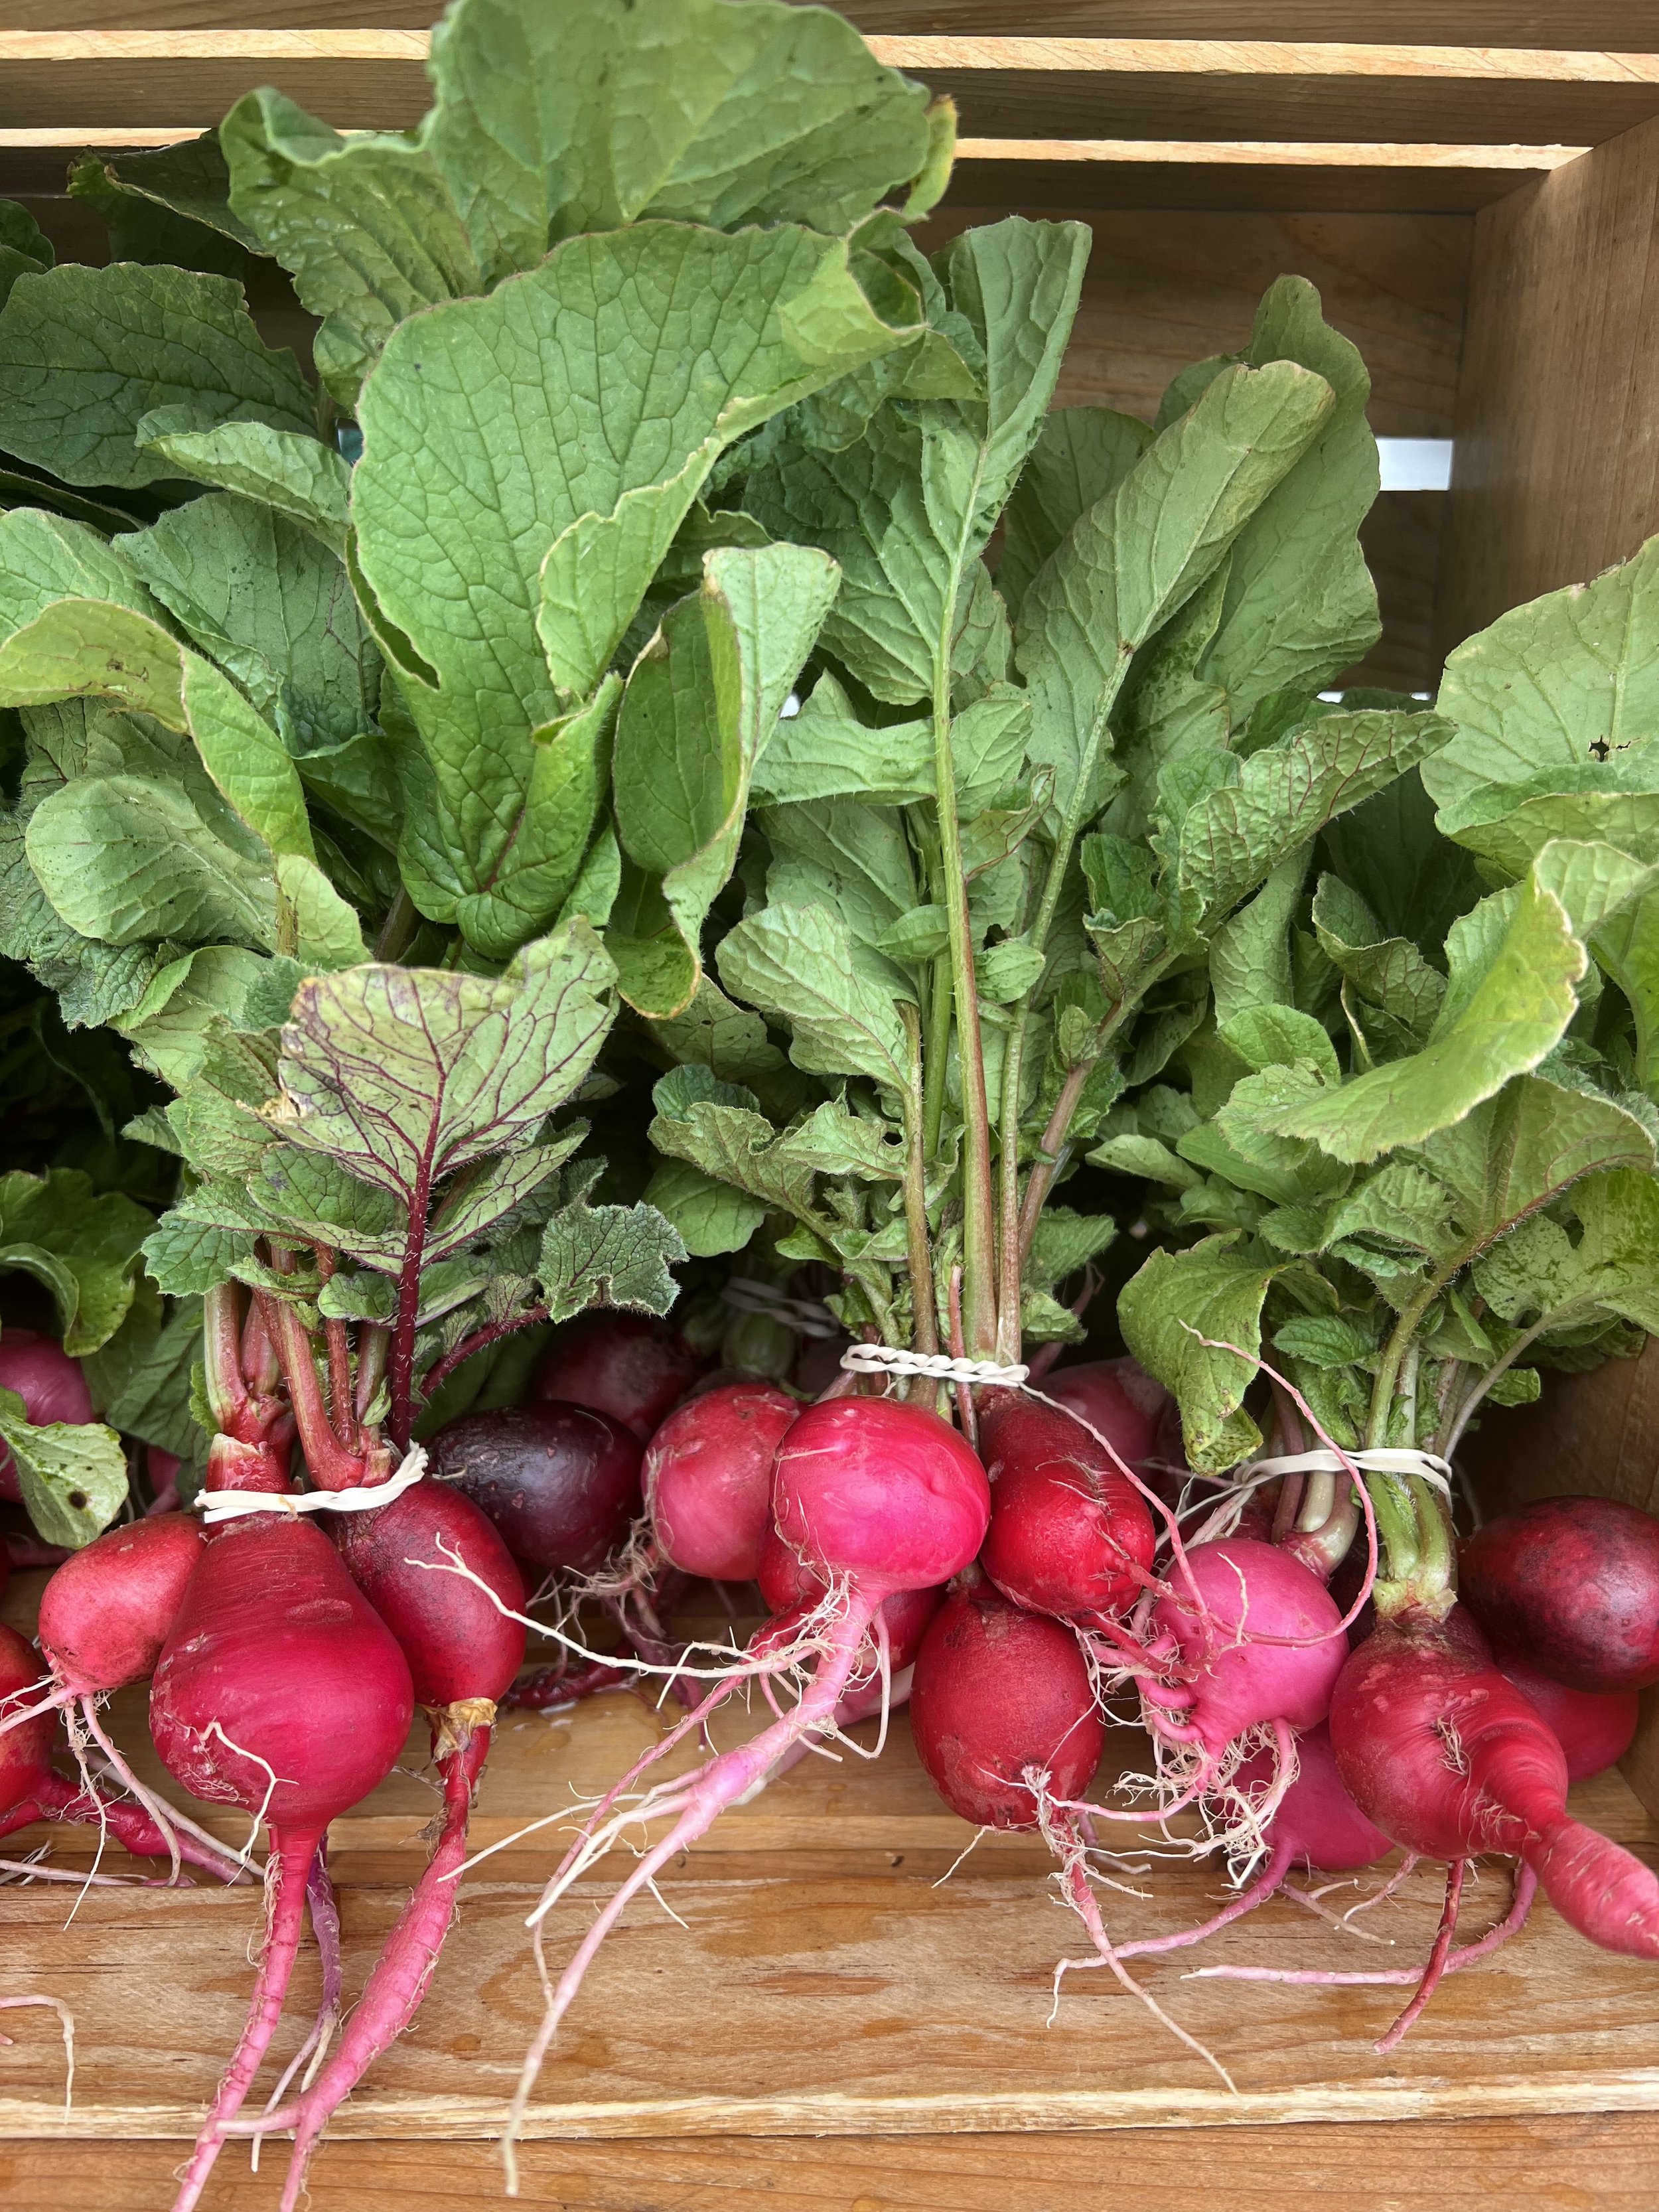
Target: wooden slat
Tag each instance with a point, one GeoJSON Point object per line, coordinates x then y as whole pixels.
{"type": "Point", "coordinates": [1278, 180]}
{"type": "Point", "coordinates": [1557, 466]}
{"type": "Point", "coordinates": [1257, 90]}
{"type": "Point", "coordinates": [1588, 24]}
{"type": "Point", "coordinates": [1470, 2167]}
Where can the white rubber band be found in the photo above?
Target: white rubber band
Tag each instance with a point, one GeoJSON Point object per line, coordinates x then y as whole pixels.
{"type": "Point", "coordinates": [217, 1506]}
{"type": "Point", "coordinates": [806, 1317]}
{"type": "Point", "coordinates": [937, 1366]}
{"type": "Point", "coordinates": [1378, 1459]}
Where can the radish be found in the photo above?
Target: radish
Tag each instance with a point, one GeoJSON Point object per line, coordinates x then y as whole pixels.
{"type": "Point", "coordinates": [1594, 1729]}
{"type": "Point", "coordinates": [874, 1495]}
{"type": "Point", "coordinates": [105, 1613]}
{"type": "Point", "coordinates": [1451, 1759]}
{"type": "Point", "coordinates": [1244, 1639]}
{"type": "Point", "coordinates": [51, 1387]}
{"type": "Point", "coordinates": [560, 1481]}
{"type": "Point", "coordinates": [1571, 1586]}
{"type": "Point", "coordinates": [629, 1366]}
{"type": "Point", "coordinates": [463, 1651]}
{"type": "Point", "coordinates": [1070, 1535]}
{"type": "Point", "coordinates": [1119, 1397]}
{"type": "Point", "coordinates": [999, 1694]}
{"type": "Point", "coordinates": [708, 1479]}
{"type": "Point", "coordinates": [279, 1690]}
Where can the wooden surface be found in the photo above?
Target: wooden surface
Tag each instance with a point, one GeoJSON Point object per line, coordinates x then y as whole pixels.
{"type": "Point", "coordinates": [363, 77]}
{"type": "Point", "coordinates": [1609, 2162]}
{"type": "Point", "coordinates": [1557, 467]}
{"type": "Point", "coordinates": [1587, 26]}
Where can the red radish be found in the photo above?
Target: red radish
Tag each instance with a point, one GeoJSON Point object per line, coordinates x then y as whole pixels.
{"type": "Point", "coordinates": [1571, 1586]}
{"type": "Point", "coordinates": [51, 1387]}
{"type": "Point", "coordinates": [463, 1653]}
{"type": "Point", "coordinates": [1070, 1534]}
{"type": "Point", "coordinates": [106, 1611]}
{"type": "Point", "coordinates": [1451, 1759]}
{"type": "Point", "coordinates": [790, 1588]}
{"type": "Point", "coordinates": [560, 1481]}
{"type": "Point", "coordinates": [875, 1496]}
{"type": "Point", "coordinates": [30, 1790]}
{"type": "Point", "coordinates": [281, 1691]}
{"type": "Point", "coordinates": [1119, 1397]}
{"type": "Point", "coordinates": [997, 1693]}
{"type": "Point", "coordinates": [707, 1478]}
{"type": "Point", "coordinates": [629, 1366]}
{"type": "Point", "coordinates": [1595, 1730]}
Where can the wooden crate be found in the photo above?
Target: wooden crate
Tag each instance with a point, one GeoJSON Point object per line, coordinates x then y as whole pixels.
{"type": "Point", "coordinates": [831, 2026]}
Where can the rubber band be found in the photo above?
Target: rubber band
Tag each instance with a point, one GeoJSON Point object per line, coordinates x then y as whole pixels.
{"type": "Point", "coordinates": [220, 1505]}
{"type": "Point", "coordinates": [1372, 1459]}
{"type": "Point", "coordinates": [806, 1317]}
{"type": "Point", "coordinates": [937, 1366]}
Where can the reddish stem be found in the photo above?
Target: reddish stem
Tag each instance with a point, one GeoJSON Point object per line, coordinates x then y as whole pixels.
{"type": "Point", "coordinates": [401, 1364]}
{"type": "Point", "coordinates": [342, 1417]}
{"type": "Point", "coordinates": [480, 1340]}
{"type": "Point", "coordinates": [332, 1466]}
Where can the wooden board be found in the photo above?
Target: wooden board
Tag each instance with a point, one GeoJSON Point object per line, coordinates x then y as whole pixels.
{"type": "Point", "coordinates": [1588, 26]}
{"type": "Point", "coordinates": [1466, 2167]}
{"type": "Point", "coordinates": [1005, 88]}
{"type": "Point", "coordinates": [1556, 473]}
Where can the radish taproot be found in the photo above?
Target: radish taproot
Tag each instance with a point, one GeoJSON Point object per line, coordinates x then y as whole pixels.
{"type": "Point", "coordinates": [1571, 1585]}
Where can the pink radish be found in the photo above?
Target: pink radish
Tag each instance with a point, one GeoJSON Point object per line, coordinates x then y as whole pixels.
{"type": "Point", "coordinates": [997, 1693]}
{"type": "Point", "coordinates": [708, 1478]}
{"type": "Point", "coordinates": [280, 1691]}
{"type": "Point", "coordinates": [106, 1611]}
{"type": "Point", "coordinates": [560, 1481]}
{"type": "Point", "coordinates": [463, 1651]}
{"type": "Point", "coordinates": [1594, 1729]}
{"type": "Point", "coordinates": [876, 1496]}
{"type": "Point", "coordinates": [51, 1387]}
{"type": "Point", "coordinates": [1070, 1534]}
{"type": "Point", "coordinates": [1117, 1397]}
{"type": "Point", "coordinates": [1451, 1759]}
{"type": "Point", "coordinates": [629, 1366]}
{"type": "Point", "coordinates": [1571, 1586]}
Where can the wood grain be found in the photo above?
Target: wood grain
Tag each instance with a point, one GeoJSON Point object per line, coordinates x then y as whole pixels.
{"type": "Point", "coordinates": [1414, 2167]}
{"type": "Point", "coordinates": [1260, 179]}
{"type": "Point", "coordinates": [1556, 473]}
{"type": "Point", "coordinates": [1006, 88]}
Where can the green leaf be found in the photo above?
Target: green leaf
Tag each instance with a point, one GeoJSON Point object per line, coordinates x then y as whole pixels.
{"type": "Point", "coordinates": [1132, 560]}
{"type": "Point", "coordinates": [797, 963]}
{"type": "Point", "coordinates": [306, 481]}
{"type": "Point", "coordinates": [272, 605]}
{"type": "Point", "coordinates": [1214, 1289]}
{"type": "Point", "coordinates": [43, 558]}
{"type": "Point", "coordinates": [126, 858]}
{"type": "Point", "coordinates": [85, 354]}
{"type": "Point", "coordinates": [366, 225]}
{"type": "Point", "coordinates": [1081, 454]}
{"type": "Point", "coordinates": [405, 1075]}
{"type": "Point", "coordinates": [703, 700]}
{"type": "Point", "coordinates": [1569, 683]}
{"type": "Point", "coordinates": [1007, 971]}
{"type": "Point", "coordinates": [1538, 1273]}
{"type": "Point", "coordinates": [713, 1033]}
{"type": "Point", "coordinates": [1146, 1159]}
{"type": "Point", "coordinates": [140, 1380]}
{"type": "Point", "coordinates": [710, 1217]}
{"type": "Point", "coordinates": [826, 752]}
{"type": "Point", "coordinates": [87, 647]}
{"type": "Point", "coordinates": [24, 250]}
{"type": "Point", "coordinates": [906, 510]}
{"type": "Point", "coordinates": [692, 109]}
{"type": "Point", "coordinates": [1505, 1009]}
{"type": "Point", "coordinates": [1388, 972]}
{"type": "Point", "coordinates": [186, 1257]}
{"type": "Point", "coordinates": [74, 1476]}
{"type": "Point", "coordinates": [1250, 955]}
{"type": "Point", "coordinates": [854, 860]}
{"type": "Point", "coordinates": [458, 507]}
{"type": "Point", "coordinates": [1279, 1036]}
{"type": "Point", "coordinates": [609, 1256]}
{"type": "Point", "coordinates": [83, 1246]}
{"type": "Point", "coordinates": [1233, 837]}
{"type": "Point", "coordinates": [167, 204]}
